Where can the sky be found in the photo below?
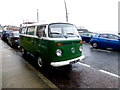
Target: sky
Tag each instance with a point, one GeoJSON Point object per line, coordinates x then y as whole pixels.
{"type": "Point", "coordinates": [94, 15]}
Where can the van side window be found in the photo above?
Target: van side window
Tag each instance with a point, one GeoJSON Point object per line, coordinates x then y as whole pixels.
{"type": "Point", "coordinates": [30, 30]}
{"type": "Point", "coordinates": [23, 30]}
{"type": "Point", "coordinates": [41, 31]}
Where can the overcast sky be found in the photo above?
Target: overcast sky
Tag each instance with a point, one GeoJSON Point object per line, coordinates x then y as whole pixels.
{"type": "Point", "coordinates": [94, 15]}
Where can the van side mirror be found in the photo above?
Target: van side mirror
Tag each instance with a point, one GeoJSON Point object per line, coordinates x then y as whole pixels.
{"type": "Point", "coordinates": [39, 35]}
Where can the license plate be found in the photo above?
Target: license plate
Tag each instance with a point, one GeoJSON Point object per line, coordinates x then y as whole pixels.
{"type": "Point", "coordinates": [74, 61]}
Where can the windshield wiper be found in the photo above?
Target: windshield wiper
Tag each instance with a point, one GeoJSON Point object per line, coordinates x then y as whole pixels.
{"type": "Point", "coordinates": [65, 36]}
{"type": "Point", "coordinates": [55, 33]}
{"type": "Point", "coordinates": [73, 34]}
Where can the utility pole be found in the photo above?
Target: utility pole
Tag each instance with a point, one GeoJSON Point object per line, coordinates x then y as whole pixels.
{"type": "Point", "coordinates": [66, 11]}
{"type": "Point", "coordinates": [37, 15]}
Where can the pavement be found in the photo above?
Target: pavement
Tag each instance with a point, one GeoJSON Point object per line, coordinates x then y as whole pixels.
{"type": "Point", "coordinates": [17, 73]}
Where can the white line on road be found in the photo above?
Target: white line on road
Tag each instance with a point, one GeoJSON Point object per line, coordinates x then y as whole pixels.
{"type": "Point", "coordinates": [84, 64]}
{"type": "Point", "coordinates": [103, 50]}
{"type": "Point", "coordinates": [103, 71]}
{"type": "Point", "coordinates": [110, 73]}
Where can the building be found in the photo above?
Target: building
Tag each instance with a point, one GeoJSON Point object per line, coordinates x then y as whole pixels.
{"type": "Point", "coordinates": [9, 27]}
{"type": "Point", "coordinates": [83, 30]}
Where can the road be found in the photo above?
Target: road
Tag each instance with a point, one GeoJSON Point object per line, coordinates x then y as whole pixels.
{"type": "Point", "coordinates": [98, 70]}
{"type": "Point", "coordinates": [101, 59]}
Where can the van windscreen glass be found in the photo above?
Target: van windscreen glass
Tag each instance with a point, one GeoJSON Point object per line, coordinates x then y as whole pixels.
{"type": "Point", "coordinates": [62, 30]}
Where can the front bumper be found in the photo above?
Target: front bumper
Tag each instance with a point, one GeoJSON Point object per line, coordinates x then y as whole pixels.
{"type": "Point", "coordinates": [67, 62]}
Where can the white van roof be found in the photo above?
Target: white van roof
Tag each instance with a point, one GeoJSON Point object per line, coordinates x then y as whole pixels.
{"type": "Point", "coordinates": [44, 23]}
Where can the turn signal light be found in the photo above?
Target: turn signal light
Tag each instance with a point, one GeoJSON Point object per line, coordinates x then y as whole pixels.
{"type": "Point", "coordinates": [59, 44]}
{"type": "Point", "coordinates": [81, 41]}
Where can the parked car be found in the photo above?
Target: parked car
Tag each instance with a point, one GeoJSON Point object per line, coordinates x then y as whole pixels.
{"type": "Point", "coordinates": [13, 38]}
{"type": "Point", "coordinates": [87, 36]}
{"type": "Point", "coordinates": [54, 44]}
{"type": "Point", "coordinates": [1, 32]}
{"type": "Point", "coordinates": [5, 34]}
{"type": "Point", "coordinates": [105, 40]}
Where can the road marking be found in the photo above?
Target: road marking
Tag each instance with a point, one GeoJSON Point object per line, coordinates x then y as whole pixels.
{"type": "Point", "coordinates": [84, 64]}
{"type": "Point", "coordinates": [103, 50]}
{"type": "Point", "coordinates": [110, 73]}
{"type": "Point", "coordinates": [103, 71]}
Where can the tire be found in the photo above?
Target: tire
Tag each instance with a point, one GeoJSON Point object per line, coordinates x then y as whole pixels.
{"type": "Point", "coordinates": [95, 45]}
{"type": "Point", "coordinates": [11, 44]}
{"type": "Point", "coordinates": [40, 62]}
{"type": "Point", "coordinates": [23, 51]}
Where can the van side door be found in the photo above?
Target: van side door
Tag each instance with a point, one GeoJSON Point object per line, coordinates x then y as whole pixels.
{"type": "Point", "coordinates": [30, 35]}
{"type": "Point", "coordinates": [41, 44]}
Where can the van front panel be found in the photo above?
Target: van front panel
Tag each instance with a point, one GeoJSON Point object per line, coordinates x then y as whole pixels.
{"type": "Point", "coordinates": [70, 49]}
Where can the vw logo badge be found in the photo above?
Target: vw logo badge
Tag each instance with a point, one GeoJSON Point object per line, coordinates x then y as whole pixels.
{"type": "Point", "coordinates": [73, 50]}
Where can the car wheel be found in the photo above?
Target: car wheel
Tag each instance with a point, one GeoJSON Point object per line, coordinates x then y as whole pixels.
{"type": "Point", "coordinates": [95, 45]}
{"type": "Point", "coordinates": [11, 44]}
{"type": "Point", "coordinates": [23, 51]}
{"type": "Point", "coordinates": [40, 62]}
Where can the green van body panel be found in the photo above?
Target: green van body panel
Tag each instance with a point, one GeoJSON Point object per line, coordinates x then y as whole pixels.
{"type": "Point", "coordinates": [66, 50]}
{"type": "Point", "coordinates": [48, 48]}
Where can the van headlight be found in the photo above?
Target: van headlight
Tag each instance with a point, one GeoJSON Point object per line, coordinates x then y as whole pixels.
{"type": "Point", "coordinates": [59, 52]}
{"type": "Point", "coordinates": [80, 48]}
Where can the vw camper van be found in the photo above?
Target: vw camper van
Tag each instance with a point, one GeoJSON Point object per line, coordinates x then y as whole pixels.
{"type": "Point", "coordinates": [56, 44]}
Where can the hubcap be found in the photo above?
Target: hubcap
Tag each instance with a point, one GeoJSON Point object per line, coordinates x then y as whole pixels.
{"type": "Point", "coordinates": [11, 44]}
{"type": "Point", "coordinates": [22, 50]}
{"type": "Point", "coordinates": [40, 63]}
{"type": "Point", "coordinates": [94, 44]}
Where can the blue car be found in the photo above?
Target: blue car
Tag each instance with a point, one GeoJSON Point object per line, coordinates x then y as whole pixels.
{"type": "Point", "coordinates": [86, 37]}
{"type": "Point", "coordinates": [105, 40]}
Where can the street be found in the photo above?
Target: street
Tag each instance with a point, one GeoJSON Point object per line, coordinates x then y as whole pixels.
{"type": "Point", "coordinates": [99, 69]}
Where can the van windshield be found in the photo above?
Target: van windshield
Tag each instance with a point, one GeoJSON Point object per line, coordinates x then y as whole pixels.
{"type": "Point", "coordinates": [63, 30]}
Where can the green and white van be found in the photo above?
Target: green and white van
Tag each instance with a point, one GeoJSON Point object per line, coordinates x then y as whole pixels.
{"type": "Point", "coordinates": [56, 44]}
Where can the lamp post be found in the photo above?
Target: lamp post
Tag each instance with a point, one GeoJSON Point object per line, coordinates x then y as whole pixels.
{"type": "Point", "coordinates": [37, 15]}
{"type": "Point", "coordinates": [66, 11]}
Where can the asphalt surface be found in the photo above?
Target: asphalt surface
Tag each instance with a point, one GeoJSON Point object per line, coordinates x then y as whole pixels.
{"type": "Point", "coordinates": [17, 73]}
{"type": "Point", "coordinates": [101, 59]}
